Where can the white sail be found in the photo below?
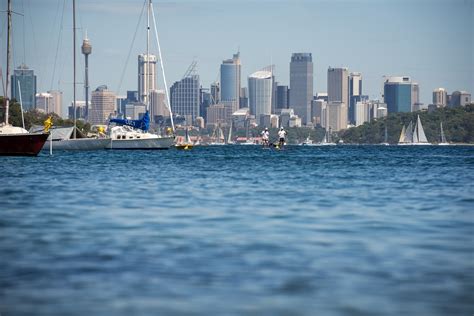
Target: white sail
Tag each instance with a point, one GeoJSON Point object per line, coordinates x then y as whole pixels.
{"type": "Point", "coordinates": [421, 137]}
{"type": "Point", "coordinates": [443, 137]}
{"type": "Point", "coordinates": [229, 137]}
{"type": "Point", "coordinates": [409, 134]}
{"type": "Point", "coordinates": [402, 135]}
{"type": "Point", "coordinates": [415, 133]}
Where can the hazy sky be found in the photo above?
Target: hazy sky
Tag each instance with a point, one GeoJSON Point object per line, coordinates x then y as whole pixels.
{"type": "Point", "coordinates": [429, 40]}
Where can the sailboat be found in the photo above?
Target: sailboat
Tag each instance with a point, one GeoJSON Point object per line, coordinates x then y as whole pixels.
{"type": "Point", "coordinates": [229, 137]}
{"type": "Point", "coordinates": [326, 140]}
{"type": "Point", "coordinates": [186, 144]}
{"type": "Point", "coordinates": [443, 142]}
{"type": "Point", "coordinates": [14, 140]}
{"type": "Point", "coordinates": [134, 134]}
{"type": "Point", "coordinates": [217, 137]}
{"type": "Point", "coordinates": [413, 135]}
{"type": "Point", "coordinates": [70, 138]}
{"type": "Point", "coordinates": [308, 142]}
{"type": "Point", "coordinates": [385, 141]}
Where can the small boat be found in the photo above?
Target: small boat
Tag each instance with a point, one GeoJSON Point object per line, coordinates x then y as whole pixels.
{"type": "Point", "coordinates": [443, 142]}
{"type": "Point", "coordinates": [308, 142]}
{"type": "Point", "coordinates": [187, 144]}
{"type": "Point", "coordinates": [217, 137]}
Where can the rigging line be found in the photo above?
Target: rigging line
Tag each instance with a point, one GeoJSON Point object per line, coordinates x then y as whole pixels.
{"type": "Point", "coordinates": [131, 47]}
{"type": "Point", "coordinates": [162, 68]}
{"type": "Point", "coordinates": [58, 43]}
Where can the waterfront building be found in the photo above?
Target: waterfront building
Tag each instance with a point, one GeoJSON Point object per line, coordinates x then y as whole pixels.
{"type": "Point", "coordinates": [367, 110]}
{"type": "Point", "coordinates": [146, 76]}
{"type": "Point", "coordinates": [336, 116]}
{"type": "Point", "coordinates": [230, 80]}
{"type": "Point", "coordinates": [301, 85]}
{"type": "Point", "coordinates": [260, 93]}
{"type": "Point", "coordinates": [318, 108]}
{"type": "Point", "coordinates": [285, 116]}
{"type": "Point", "coordinates": [398, 94]}
{"type": "Point", "coordinates": [102, 105]}
{"type": "Point", "coordinates": [460, 98]}
{"type": "Point", "coordinates": [185, 96]}
{"type": "Point", "coordinates": [440, 97]}
{"type": "Point", "coordinates": [24, 79]}
{"type": "Point", "coordinates": [240, 117]}
{"type": "Point", "coordinates": [355, 93]}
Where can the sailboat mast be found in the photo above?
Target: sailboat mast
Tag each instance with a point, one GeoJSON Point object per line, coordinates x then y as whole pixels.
{"type": "Point", "coordinates": [7, 101]}
{"type": "Point", "coordinates": [74, 62]}
{"type": "Point", "coordinates": [147, 72]}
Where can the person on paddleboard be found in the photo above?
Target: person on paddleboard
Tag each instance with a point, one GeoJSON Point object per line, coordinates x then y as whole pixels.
{"type": "Point", "coordinates": [265, 136]}
{"type": "Point", "coordinates": [281, 136]}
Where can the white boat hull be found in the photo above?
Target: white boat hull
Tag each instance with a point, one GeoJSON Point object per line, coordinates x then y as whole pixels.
{"type": "Point", "coordinates": [141, 143]}
{"type": "Point", "coordinates": [79, 144]}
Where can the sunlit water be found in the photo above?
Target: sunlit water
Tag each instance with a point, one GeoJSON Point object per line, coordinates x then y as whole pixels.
{"type": "Point", "coordinates": [235, 230]}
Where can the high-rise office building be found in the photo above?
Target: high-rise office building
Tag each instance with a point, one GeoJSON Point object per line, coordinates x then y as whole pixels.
{"type": "Point", "coordinates": [415, 97]}
{"type": "Point", "coordinates": [440, 97]}
{"type": "Point", "coordinates": [460, 98]}
{"type": "Point", "coordinates": [158, 106]}
{"type": "Point", "coordinates": [102, 105]}
{"type": "Point", "coordinates": [205, 102]}
{"type": "Point", "coordinates": [215, 93]}
{"type": "Point", "coordinates": [336, 116]}
{"type": "Point", "coordinates": [355, 91]}
{"type": "Point", "coordinates": [185, 97]}
{"type": "Point", "coordinates": [146, 76]}
{"type": "Point", "coordinates": [281, 97]}
{"type": "Point", "coordinates": [260, 93]}
{"type": "Point", "coordinates": [230, 75]}
{"type": "Point", "coordinates": [301, 85]}
{"type": "Point", "coordinates": [398, 94]}
{"type": "Point", "coordinates": [318, 112]}
{"type": "Point", "coordinates": [244, 98]}
{"type": "Point", "coordinates": [338, 85]}
{"type": "Point", "coordinates": [24, 79]}
{"type": "Point", "coordinates": [49, 102]}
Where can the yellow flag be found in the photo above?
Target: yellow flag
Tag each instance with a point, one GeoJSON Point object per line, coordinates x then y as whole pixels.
{"type": "Point", "coordinates": [48, 123]}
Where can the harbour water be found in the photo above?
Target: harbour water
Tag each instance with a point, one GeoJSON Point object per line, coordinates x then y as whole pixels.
{"type": "Point", "coordinates": [237, 230]}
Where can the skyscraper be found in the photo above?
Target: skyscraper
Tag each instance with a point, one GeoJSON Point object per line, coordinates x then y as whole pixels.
{"type": "Point", "coordinates": [158, 106]}
{"type": "Point", "coordinates": [49, 102]}
{"type": "Point", "coordinates": [102, 105]}
{"type": "Point", "coordinates": [338, 92]}
{"type": "Point", "coordinates": [355, 92]}
{"type": "Point", "coordinates": [146, 78]}
{"type": "Point", "coordinates": [230, 81]}
{"type": "Point", "coordinates": [440, 97]}
{"type": "Point", "coordinates": [260, 93]}
{"type": "Point", "coordinates": [301, 85]}
{"type": "Point", "coordinates": [336, 116]}
{"type": "Point", "coordinates": [281, 97]}
{"type": "Point", "coordinates": [398, 94]}
{"type": "Point", "coordinates": [27, 84]}
{"type": "Point", "coordinates": [185, 95]}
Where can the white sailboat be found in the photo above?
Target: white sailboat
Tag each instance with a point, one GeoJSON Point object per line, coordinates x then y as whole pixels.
{"type": "Point", "coordinates": [217, 137]}
{"type": "Point", "coordinates": [443, 142]}
{"type": "Point", "coordinates": [134, 134]}
{"type": "Point", "coordinates": [187, 143]}
{"type": "Point", "coordinates": [385, 141]}
{"type": "Point", "coordinates": [413, 135]}
{"type": "Point", "coordinates": [229, 137]}
{"type": "Point", "coordinates": [308, 142]}
{"type": "Point", "coordinates": [326, 140]}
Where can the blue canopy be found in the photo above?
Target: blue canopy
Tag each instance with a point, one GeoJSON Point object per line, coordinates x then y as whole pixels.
{"type": "Point", "coordinates": [143, 124]}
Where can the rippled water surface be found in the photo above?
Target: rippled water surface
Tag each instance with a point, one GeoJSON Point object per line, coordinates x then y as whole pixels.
{"type": "Point", "coordinates": [235, 230]}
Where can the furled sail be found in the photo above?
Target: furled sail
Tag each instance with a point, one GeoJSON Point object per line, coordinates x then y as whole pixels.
{"type": "Point", "coordinates": [143, 123]}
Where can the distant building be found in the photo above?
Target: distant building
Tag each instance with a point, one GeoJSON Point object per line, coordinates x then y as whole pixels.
{"type": "Point", "coordinates": [216, 115]}
{"type": "Point", "coordinates": [185, 97]}
{"type": "Point", "coordinates": [230, 80]}
{"type": "Point", "coordinates": [415, 97]}
{"type": "Point", "coordinates": [398, 94]}
{"type": "Point", "coordinates": [440, 97]}
{"type": "Point", "coordinates": [295, 121]}
{"type": "Point", "coordinates": [135, 110]}
{"type": "Point", "coordinates": [240, 117]}
{"type": "Point", "coordinates": [206, 101]}
{"type": "Point", "coordinates": [244, 98]}
{"type": "Point", "coordinates": [80, 110]}
{"type": "Point", "coordinates": [24, 79]}
{"type": "Point", "coordinates": [367, 110]}
{"type": "Point", "coordinates": [158, 108]}
{"type": "Point", "coordinates": [338, 90]}
{"type": "Point", "coordinates": [336, 116]}
{"type": "Point", "coordinates": [215, 93]}
{"type": "Point", "coordinates": [460, 98]}
{"type": "Point", "coordinates": [269, 120]}
{"type": "Point", "coordinates": [355, 92]}
{"type": "Point", "coordinates": [260, 93]}
{"type": "Point", "coordinates": [301, 85]}
{"type": "Point", "coordinates": [285, 116]}
{"type": "Point", "coordinates": [282, 96]}
{"type": "Point", "coordinates": [146, 76]}
{"type": "Point", "coordinates": [321, 96]}
{"type": "Point", "coordinates": [49, 102]}
{"type": "Point", "coordinates": [318, 108]}
{"type": "Point", "coordinates": [200, 122]}
{"type": "Point", "coordinates": [120, 102]}
{"type": "Point", "coordinates": [102, 105]}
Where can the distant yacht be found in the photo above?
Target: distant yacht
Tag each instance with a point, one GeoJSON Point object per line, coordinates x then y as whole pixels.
{"type": "Point", "coordinates": [413, 136]}
{"type": "Point", "coordinates": [326, 140]}
{"type": "Point", "coordinates": [308, 142]}
{"type": "Point", "coordinates": [217, 138]}
{"type": "Point", "coordinates": [385, 141]}
{"type": "Point", "coordinates": [187, 144]}
{"type": "Point", "coordinates": [443, 142]}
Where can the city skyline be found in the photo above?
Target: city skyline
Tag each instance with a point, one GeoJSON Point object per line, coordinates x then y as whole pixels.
{"type": "Point", "coordinates": [390, 52]}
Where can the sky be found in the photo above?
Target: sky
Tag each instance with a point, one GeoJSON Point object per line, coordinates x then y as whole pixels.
{"type": "Point", "coordinates": [429, 40]}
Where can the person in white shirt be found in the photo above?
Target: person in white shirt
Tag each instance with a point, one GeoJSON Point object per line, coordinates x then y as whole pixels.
{"type": "Point", "coordinates": [281, 136]}
{"type": "Point", "coordinates": [265, 137]}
